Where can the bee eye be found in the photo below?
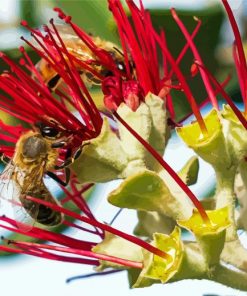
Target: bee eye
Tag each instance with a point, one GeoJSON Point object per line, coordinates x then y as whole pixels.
{"type": "Point", "coordinates": [121, 67]}
{"type": "Point", "coordinates": [49, 132]}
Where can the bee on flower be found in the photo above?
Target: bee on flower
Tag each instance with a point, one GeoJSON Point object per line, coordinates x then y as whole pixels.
{"type": "Point", "coordinates": [137, 97]}
{"type": "Point", "coordinates": [53, 141]}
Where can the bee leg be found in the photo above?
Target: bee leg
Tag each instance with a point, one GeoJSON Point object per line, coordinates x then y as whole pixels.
{"type": "Point", "coordinates": [69, 160]}
{"type": "Point", "coordinates": [58, 180]}
{"type": "Point", "coordinates": [58, 144]}
{"type": "Point", "coordinates": [5, 159]}
{"type": "Point", "coordinates": [66, 162]}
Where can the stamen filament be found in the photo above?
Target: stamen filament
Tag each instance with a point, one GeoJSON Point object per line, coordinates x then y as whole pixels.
{"type": "Point", "coordinates": [240, 49]}
{"type": "Point", "coordinates": [49, 236]}
{"type": "Point", "coordinates": [225, 95]}
{"type": "Point", "coordinates": [184, 85]}
{"type": "Point", "coordinates": [186, 47]}
{"type": "Point", "coordinates": [207, 100]}
{"type": "Point", "coordinates": [104, 227]}
{"type": "Point", "coordinates": [124, 262]}
{"type": "Point", "coordinates": [197, 57]}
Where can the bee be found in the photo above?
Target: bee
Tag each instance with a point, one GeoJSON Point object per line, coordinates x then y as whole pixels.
{"type": "Point", "coordinates": [35, 155]}
{"type": "Point", "coordinates": [76, 47]}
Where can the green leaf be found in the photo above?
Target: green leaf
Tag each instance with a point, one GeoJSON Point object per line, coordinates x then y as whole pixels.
{"type": "Point", "coordinates": [116, 246]}
{"type": "Point", "coordinates": [147, 191]}
{"type": "Point", "coordinates": [190, 170]}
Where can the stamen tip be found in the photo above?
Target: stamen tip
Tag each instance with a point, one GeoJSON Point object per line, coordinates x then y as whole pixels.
{"type": "Point", "coordinates": [24, 23]}
{"type": "Point", "coordinates": [173, 10]}
{"type": "Point", "coordinates": [45, 27]}
{"type": "Point", "coordinates": [21, 49]}
{"type": "Point", "coordinates": [61, 14]}
{"type": "Point", "coordinates": [22, 62]}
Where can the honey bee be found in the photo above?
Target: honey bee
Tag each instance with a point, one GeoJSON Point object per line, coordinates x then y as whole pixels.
{"type": "Point", "coordinates": [76, 47]}
{"type": "Point", "coordinates": [35, 155]}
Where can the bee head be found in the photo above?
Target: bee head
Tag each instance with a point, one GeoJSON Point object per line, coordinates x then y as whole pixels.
{"type": "Point", "coordinates": [34, 147]}
{"type": "Point", "coordinates": [48, 132]}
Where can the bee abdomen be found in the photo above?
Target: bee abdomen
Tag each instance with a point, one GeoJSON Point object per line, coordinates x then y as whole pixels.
{"type": "Point", "coordinates": [41, 213]}
{"type": "Point", "coordinates": [47, 216]}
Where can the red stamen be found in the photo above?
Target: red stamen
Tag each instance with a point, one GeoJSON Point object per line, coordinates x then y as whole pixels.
{"type": "Point", "coordinates": [73, 225]}
{"type": "Point", "coordinates": [237, 112]}
{"type": "Point", "coordinates": [129, 40]}
{"type": "Point", "coordinates": [186, 47]}
{"type": "Point", "coordinates": [184, 86]}
{"type": "Point", "coordinates": [74, 251]}
{"type": "Point", "coordinates": [104, 227]}
{"type": "Point", "coordinates": [240, 49]}
{"type": "Point", "coordinates": [47, 255]}
{"type": "Point", "coordinates": [239, 69]}
{"type": "Point", "coordinates": [47, 235]}
{"type": "Point", "coordinates": [207, 101]}
{"type": "Point", "coordinates": [197, 57]}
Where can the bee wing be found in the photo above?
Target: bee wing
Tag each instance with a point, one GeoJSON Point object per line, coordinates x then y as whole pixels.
{"type": "Point", "coordinates": [24, 212]}
{"type": "Point", "coordinates": [27, 211]}
{"type": "Point", "coordinates": [66, 32]}
{"type": "Point", "coordinates": [10, 192]}
{"type": "Point", "coordinates": [6, 190]}
{"type": "Point", "coordinates": [12, 196]}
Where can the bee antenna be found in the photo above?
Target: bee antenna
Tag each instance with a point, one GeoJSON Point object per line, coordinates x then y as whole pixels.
{"type": "Point", "coordinates": [118, 50]}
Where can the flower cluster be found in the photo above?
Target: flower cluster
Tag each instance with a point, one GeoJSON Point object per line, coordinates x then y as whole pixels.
{"type": "Point", "coordinates": [136, 81]}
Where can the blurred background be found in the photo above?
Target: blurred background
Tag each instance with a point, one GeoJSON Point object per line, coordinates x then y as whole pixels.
{"type": "Point", "coordinates": [34, 276]}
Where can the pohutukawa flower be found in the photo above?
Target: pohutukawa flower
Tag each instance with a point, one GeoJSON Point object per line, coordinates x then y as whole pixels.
{"type": "Point", "coordinates": [32, 101]}
{"type": "Point", "coordinates": [137, 92]}
{"type": "Point", "coordinates": [117, 91]}
{"type": "Point", "coordinates": [142, 52]}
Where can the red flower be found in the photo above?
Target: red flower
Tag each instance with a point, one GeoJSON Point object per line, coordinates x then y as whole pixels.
{"type": "Point", "coordinates": [32, 101]}
{"type": "Point", "coordinates": [29, 98]}
{"type": "Point", "coordinates": [117, 90]}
